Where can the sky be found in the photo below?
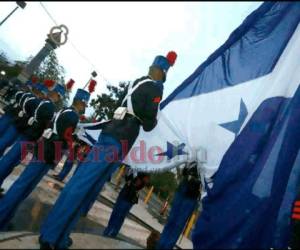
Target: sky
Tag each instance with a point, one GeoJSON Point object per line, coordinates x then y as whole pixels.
{"type": "Point", "coordinates": [120, 39]}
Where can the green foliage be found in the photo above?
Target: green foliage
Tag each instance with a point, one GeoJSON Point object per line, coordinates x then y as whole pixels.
{"type": "Point", "coordinates": [164, 184]}
{"type": "Point", "coordinates": [105, 104]}
{"type": "Point", "coordinates": [11, 70]}
{"type": "Point", "coordinates": [51, 69]}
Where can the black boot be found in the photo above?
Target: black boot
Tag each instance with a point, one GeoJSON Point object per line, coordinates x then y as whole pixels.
{"type": "Point", "coordinates": [44, 245]}
{"type": "Point", "coordinates": [1, 192]}
{"type": "Point", "coordinates": [70, 242]}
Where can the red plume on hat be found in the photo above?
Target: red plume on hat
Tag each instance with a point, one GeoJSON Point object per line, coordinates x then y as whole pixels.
{"type": "Point", "coordinates": [171, 57]}
{"type": "Point", "coordinates": [92, 85]}
{"type": "Point", "coordinates": [34, 79]}
{"type": "Point", "coordinates": [49, 83]}
{"type": "Point", "coordinates": [70, 84]}
{"type": "Point", "coordinates": [82, 118]}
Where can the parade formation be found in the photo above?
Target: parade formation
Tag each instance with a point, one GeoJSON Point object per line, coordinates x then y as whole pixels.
{"type": "Point", "coordinates": [33, 123]}
{"type": "Point", "coordinates": [243, 175]}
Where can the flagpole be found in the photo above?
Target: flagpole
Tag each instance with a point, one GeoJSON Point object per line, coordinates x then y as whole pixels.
{"type": "Point", "coordinates": [87, 83]}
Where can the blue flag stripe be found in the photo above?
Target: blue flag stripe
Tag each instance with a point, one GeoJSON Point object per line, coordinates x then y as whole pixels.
{"type": "Point", "coordinates": [236, 60]}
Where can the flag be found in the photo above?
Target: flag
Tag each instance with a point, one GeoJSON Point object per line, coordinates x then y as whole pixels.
{"type": "Point", "coordinates": [247, 94]}
{"type": "Point", "coordinates": [239, 114]}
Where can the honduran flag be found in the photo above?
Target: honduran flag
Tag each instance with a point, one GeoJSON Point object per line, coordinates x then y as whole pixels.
{"type": "Point", "coordinates": [238, 114]}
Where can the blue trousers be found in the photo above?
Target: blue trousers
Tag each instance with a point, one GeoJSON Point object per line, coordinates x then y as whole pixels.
{"type": "Point", "coordinates": [8, 138]}
{"type": "Point", "coordinates": [5, 121]}
{"type": "Point", "coordinates": [11, 159]}
{"type": "Point", "coordinates": [80, 189]}
{"type": "Point", "coordinates": [120, 211]}
{"type": "Point", "coordinates": [90, 200]}
{"type": "Point", "coordinates": [87, 203]}
{"type": "Point", "coordinates": [67, 167]}
{"type": "Point", "coordinates": [19, 191]}
{"type": "Point", "coordinates": [182, 209]}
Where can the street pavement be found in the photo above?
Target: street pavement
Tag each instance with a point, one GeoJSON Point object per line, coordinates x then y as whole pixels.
{"type": "Point", "coordinates": [35, 208]}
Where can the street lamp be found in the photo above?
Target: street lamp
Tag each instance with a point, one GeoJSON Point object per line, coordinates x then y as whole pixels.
{"type": "Point", "coordinates": [3, 73]}
{"type": "Point", "coordinates": [21, 4]}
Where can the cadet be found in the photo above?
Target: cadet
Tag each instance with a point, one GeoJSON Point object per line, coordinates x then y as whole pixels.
{"type": "Point", "coordinates": [128, 196]}
{"type": "Point", "coordinates": [10, 108]}
{"type": "Point", "coordinates": [139, 109]}
{"type": "Point", "coordinates": [184, 203]}
{"type": "Point", "coordinates": [39, 120]}
{"type": "Point", "coordinates": [12, 88]}
{"type": "Point", "coordinates": [61, 132]}
{"type": "Point", "coordinates": [10, 111]}
{"type": "Point", "coordinates": [26, 107]}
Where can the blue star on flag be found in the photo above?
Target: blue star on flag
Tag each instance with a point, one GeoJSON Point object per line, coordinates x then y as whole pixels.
{"type": "Point", "coordinates": [173, 150]}
{"type": "Point", "coordinates": [236, 125]}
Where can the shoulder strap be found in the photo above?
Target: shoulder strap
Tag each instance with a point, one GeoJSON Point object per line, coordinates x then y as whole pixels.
{"type": "Point", "coordinates": [62, 111]}
{"type": "Point", "coordinates": [38, 107]}
{"type": "Point", "coordinates": [24, 96]}
{"type": "Point", "coordinates": [129, 94]}
{"type": "Point", "coordinates": [26, 100]}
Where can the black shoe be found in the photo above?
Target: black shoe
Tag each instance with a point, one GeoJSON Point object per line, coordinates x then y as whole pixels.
{"type": "Point", "coordinates": [70, 242]}
{"type": "Point", "coordinates": [44, 245]}
{"type": "Point", "coordinates": [56, 177]}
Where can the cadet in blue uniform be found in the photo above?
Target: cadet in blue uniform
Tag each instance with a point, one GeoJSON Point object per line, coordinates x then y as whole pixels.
{"type": "Point", "coordinates": [10, 131]}
{"type": "Point", "coordinates": [12, 88]}
{"type": "Point", "coordinates": [40, 119]}
{"type": "Point", "coordinates": [61, 132]}
{"type": "Point", "coordinates": [139, 109]}
{"type": "Point", "coordinates": [10, 109]}
{"type": "Point", "coordinates": [128, 196]}
{"type": "Point", "coordinates": [184, 203]}
{"type": "Point", "coordinates": [28, 103]}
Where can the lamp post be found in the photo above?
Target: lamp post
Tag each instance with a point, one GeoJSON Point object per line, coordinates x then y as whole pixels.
{"type": "Point", "coordinates": [20, 4]}
{"type": "Point", "coordinates": [53, 41]}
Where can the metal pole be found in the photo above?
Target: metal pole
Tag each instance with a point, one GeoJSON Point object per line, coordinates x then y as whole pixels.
{"type": "Point", "coordinates": [147, 198]}
{"type": "Point", "coordinates": [119, 176]}
{"type": "Point", "coordinates": [190, 225]}
{"type": "Point", "coordinates": [9, 15]}
{"type": "Point", "coordinates": [87, 83]}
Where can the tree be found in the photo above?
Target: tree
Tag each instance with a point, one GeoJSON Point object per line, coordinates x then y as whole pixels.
{"type": "Point", "coordinates": [51, 69]}
{"type": "Point", "coordinates": [105, 104]}
{"type": "Point", "coordinates": [164, 183]}
{"type": "Point", "coordinates": [3, 59]}
{"type": "Point", "coordinates": [10, 70]}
